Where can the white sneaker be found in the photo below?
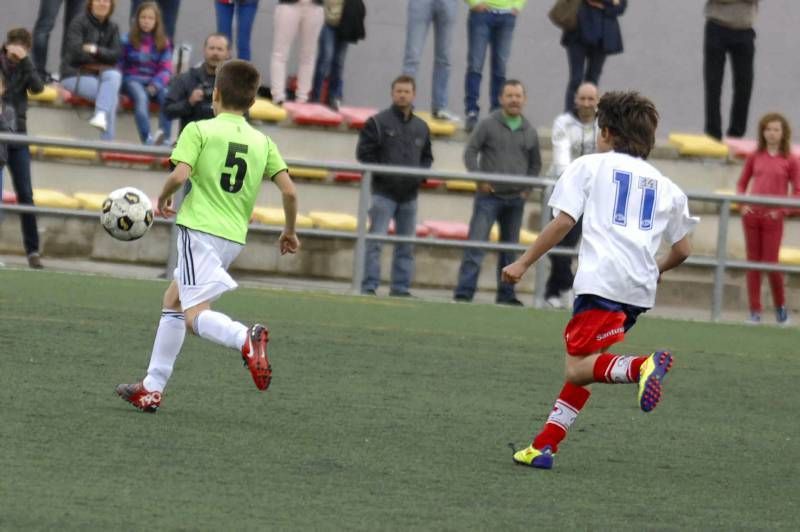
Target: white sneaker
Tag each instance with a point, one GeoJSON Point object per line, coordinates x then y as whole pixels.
{"type": "Point", "coordinates": [99, 121]}
{"type": "Point", "coordinates": [449, 116]}
{"type": "Point", "coordinates": [554, 302]}
{"type": "Point", "coordinates": [159, 137]}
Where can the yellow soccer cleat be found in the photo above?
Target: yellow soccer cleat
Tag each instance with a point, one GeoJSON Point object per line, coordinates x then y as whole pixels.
{"type": "Point", "coordinates": [533, 457]}
{"type": "Point", "coordinates": [651, 379]}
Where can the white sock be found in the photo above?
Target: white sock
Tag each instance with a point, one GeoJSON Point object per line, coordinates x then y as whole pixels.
{"type": "Point", "coordinates": [166, 347]}
{"type": "Point", "coordinates": [220, 329]}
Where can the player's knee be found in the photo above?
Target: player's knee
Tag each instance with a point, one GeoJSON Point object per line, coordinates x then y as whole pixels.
{"type": "Point", "coordinates": [572, 374]}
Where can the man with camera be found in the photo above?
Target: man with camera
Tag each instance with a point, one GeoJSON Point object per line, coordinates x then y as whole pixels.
{"type": "Point", "coordinates": [189, 96]}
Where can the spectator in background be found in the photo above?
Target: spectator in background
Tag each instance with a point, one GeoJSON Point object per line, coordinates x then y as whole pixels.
{"type": "Point", "coordinates": [45, 21]}
{"type": "Point", "coordinates": [729, 30]}
{"type": "Point", "coordinates": [189, 95]}
{"type": "Point", "coordinates": [17, 68]}
{"type": "Point", "coordinates": [344, 24]}
{"type": "Point", "coordinates": [169, 14]}
{"type": "Point", "coordinates": [146, 70]}
{"type": "Point", "coordinates": [245, 15]}
{"type": "Point", "coordinates": [503, 143]}
{"type": "Point", "coordinates": [598, 35]}
{"type": "Point", "coordinates": [89, 61]}
{"type": "Point", "coordinates": [490, 23]}
{"type": "Point", "coordinates": [442, 14]}
{"type": "Point", "coordinates": [394, 136]}
{"type": "Point", "coordinates": [771, 171]}
{"type": "Point", "coordinates": [291, 17]}
{"type": "Point", "coordinates": [574, 134]}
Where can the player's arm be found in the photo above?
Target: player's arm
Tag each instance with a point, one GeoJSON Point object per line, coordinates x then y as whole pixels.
{"type": "Point", "coordinates": [288, 241]}
{"type": "Point", "coordinates": [174, 181]}
{"type": "Point", "coordinates": [678, 253]}
{"type": "Point", "coordinates": [550, 236]}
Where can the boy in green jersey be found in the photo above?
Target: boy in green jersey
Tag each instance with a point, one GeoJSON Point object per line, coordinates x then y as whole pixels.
{"type": "Point", "coordinates": [226, 161]}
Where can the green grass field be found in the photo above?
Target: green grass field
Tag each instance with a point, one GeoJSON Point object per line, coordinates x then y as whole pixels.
{"type": "Point", "coordinates": [383, 414]}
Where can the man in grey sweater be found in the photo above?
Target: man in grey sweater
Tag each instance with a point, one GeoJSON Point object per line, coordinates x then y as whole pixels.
{"type": "Point", "coordinates": [503, 143]}
{"type": "Point", "coordinates": [729, 30]}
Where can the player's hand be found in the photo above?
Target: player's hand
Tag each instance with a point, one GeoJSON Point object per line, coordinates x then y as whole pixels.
{"type": "Point", "coordinates": [485, 188]}
{"type": "Point", "coordinates": [196, 96]}
{"type": "Point", "coordinates": [289, 243]}
{"type": "Point", "coordinates": [513, 272]}
{"type": "Point", "coordinates": [480, 8]}
{"type": "Point", "coordinates": [165, 205]}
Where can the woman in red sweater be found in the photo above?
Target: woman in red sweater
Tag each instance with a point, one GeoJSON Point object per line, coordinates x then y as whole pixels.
{"type": "Point", "coordinates": [770, 171]}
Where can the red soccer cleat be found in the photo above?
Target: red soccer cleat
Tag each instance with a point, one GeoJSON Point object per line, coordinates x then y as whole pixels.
{"type": "Point", "coordinates": [254, 355]}
{"type": "Point", "coordinates": [138, 396]}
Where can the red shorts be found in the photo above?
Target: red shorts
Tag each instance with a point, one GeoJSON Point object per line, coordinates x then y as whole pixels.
{"type": "Point", "coordinates": [598, 323]}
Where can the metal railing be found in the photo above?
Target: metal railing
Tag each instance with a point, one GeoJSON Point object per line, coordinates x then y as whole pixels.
{"type": "Point", "coordinates": [720, 262]}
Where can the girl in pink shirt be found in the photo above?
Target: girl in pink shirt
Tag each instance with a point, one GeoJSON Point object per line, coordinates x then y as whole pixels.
{"type": "Point", "coordinates": [770, 171]}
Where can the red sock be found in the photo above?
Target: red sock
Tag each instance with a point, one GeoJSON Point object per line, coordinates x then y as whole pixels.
{"type": "Point", "coordinates": [616, 369]}
{"type": "Point", "coordinates": [570, 401]}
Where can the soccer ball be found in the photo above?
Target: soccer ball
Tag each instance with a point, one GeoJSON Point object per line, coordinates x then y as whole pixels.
{"type": "Point", "coordinates": [127, 214]}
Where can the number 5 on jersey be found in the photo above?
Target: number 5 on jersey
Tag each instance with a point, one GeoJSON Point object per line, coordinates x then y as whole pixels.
{"type": "Point", "coordinates": [648, 206]}
{"type": "Point", "coordinates": [233, 182]}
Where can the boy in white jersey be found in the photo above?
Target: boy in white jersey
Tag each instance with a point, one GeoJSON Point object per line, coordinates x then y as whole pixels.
{"type": "Point", "coordinates": [627, 208]}
{"type": "Point", "coordinates": [226, 160]}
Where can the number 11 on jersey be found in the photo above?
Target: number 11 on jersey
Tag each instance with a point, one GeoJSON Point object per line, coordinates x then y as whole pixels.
{"type": "Point", "coordinates": [649, 187]}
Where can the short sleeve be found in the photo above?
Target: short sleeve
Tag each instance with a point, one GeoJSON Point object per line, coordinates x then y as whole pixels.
{"type": "Point", "coordinates": [569, 195]}
{"type": "Point", "coordinates": [275, 163]}
{"type": "Point", "coordinates": [188, 147]}
{"type": "Point", "coordinates": [681, 222]}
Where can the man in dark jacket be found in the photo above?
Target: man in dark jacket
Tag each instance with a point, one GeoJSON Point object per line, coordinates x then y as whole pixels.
{"type": "Point", "coordinates": [394, 136]}
{"type": "Point", "coordinates": [503, 143]}
{"type": "Point", "coordinates": [189, 96]}
{"type": "Point", "coordinates": [20, 77]}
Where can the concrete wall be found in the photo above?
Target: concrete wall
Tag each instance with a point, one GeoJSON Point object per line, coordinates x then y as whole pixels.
{"type": "Point", "coordinates": [663, 58]}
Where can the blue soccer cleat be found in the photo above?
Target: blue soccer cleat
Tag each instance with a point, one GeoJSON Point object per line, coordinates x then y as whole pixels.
{"type": "Point", "coordinates": [653, 371]}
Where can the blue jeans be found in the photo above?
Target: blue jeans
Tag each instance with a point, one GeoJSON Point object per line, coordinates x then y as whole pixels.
{"type": "Point", "coordinates": [19, 164]}
{"type": "Point", "coordinates": [421, 13]}
{"type": "Point", "coordinates": [103, 90]}
{"type": "Point", "coordinates": [381, 212]}
{"type": "Point", "coordinates": [331, 53]}
{"type": "Point", "coordinates": [487, 210]}
{"type": "Point", "coordinates": [245, 15]}
{"type": "Point", "coordinates": [486, 29]}
{"type": "Point", "coordinates": [169, 13]}
{"type": "Point", "coordinates": [45, 21]}
{"type": "Point", "coordinates": [141, 109]}
{"type": "Point", "coordinates": [585, 64]}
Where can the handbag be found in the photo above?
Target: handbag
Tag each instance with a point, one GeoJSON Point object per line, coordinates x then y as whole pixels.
{"type": "Point", "coordinates": [564, 14]}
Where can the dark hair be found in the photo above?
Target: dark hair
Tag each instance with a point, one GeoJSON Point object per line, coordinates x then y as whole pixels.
{"type": "Point", "coordinates": [158, 30]}
{"type": "Point", "coordinates": [512, 83]}
{"type": "Point", "coordinates": [786, 138]}
{"type": "Point", "coordinates": [405, 79]}
{"type": "Point", "coordinates": [19, 36]}
{"type": "Point", "coordinates": [631, 119]}
{"type": "Point", "coordinates": [217, 34]}
{"type": "Point", "coordinates": [237, 82]}
{"type": "Point", "coordinates": [110, 12]}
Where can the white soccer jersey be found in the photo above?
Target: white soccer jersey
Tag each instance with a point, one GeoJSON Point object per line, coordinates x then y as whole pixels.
{"type": "Point", "coordinates": [627, 207]}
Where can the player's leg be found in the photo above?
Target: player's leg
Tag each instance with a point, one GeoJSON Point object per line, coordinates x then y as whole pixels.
{"type": "Point", "coordinates": [146, 395]}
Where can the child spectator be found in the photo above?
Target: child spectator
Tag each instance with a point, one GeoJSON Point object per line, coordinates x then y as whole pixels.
{"type": "Point", "coordinates": [771, 169]}
{"type": "Point", "coordinates": [146, 70]}
{"type": "Point", "coordinates": [21, 75]}
{"type": "Point", "coordinates": [88, 64]}
{"type": "Point", "coordinates": [245, 15]}
{"type": "Point", "coordinates": [169, 14]}
{"type": "Point", "coordinates": [291, 17]}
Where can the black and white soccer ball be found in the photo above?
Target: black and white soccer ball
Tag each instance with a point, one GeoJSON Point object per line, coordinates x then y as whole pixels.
{"type": "Point", "coordinates": [127, 214]}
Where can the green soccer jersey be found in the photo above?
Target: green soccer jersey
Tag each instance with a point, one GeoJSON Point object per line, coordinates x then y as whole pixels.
{"type": "Point", "coordinates": [229, 159]}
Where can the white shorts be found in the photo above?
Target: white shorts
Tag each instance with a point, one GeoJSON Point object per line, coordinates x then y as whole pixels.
{"type": "Point", "coordinates": [203, 261]}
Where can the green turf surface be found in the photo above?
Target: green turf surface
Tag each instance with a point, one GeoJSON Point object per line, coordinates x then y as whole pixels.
{"type": "Point", "coordinates": [382, 414]}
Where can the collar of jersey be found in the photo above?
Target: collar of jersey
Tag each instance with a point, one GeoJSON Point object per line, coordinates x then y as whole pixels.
{"type": "Point", "coordinates": [232, 117]}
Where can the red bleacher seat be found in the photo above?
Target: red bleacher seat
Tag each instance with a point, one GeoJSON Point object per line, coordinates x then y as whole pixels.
{"type": "Point", "coordinates": [9, 197]}
{"type": "Point", "coordinates": [448, 230]}
{"type": "Point", "coordinates": [129, 158]}
{"type": "Point", "coordinates": [356, 117]}
{"type": "Point", "coordinates": [74, 99]}
{"type": "Point", "coordinates": [126, 103]}
{"type": "Point", "coordinates": [431, 183]}
{"type": "Point", "coordinates": [312, 114]}
{"type": "Point", "coordinates": [422, 231]}
{"type": "Point", "coordinates": [347, 177]}
{"type": "Point", "coordinates": [741, 148]}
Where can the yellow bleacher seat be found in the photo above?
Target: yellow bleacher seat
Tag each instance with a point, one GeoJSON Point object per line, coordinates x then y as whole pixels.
{"type": "Point", "coordinates": [273, 216]}
{"type": "Point", "coordinates": [698, 145]}
{"type": "Point", "coordinates": [333, 220]}
{"type": "Point", "coordinates": [439, 128]}
{"type": "Point", "coordinates": [527, 237]}
{"type": "Point", "coordinates": [461, 186]}
{"type": "Point", "coordinates": [67, 153]}
{"type": "Point", "coordinates": [308, 173]}
{"type": "Point", "coordinates": [48, 95]}
{"type": "Point", "coordinates": [789, 255]}
{"type": "Point", "coordinates": [267, 111]}
{"type": "Point", "coordinates": [44, 197]}
{"type": "Point", "coordinates": [728, 192]}
{"type": "Point", "coordinates": [494, 234]}
{"type": "Point", "coordinates": [90, 201]}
